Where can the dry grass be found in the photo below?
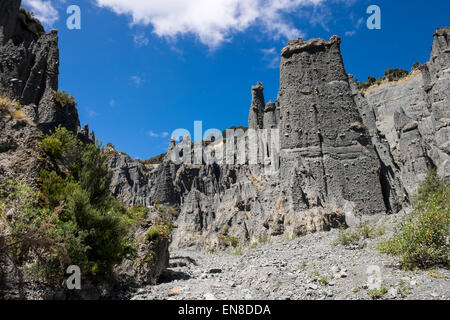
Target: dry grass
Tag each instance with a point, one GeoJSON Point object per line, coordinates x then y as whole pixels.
{"type": "Point", "coordinates": [18, 115]}
{"type": "Point", "coordinates": [11, 109]}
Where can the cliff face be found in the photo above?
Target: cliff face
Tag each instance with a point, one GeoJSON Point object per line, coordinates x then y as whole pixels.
{"type": "Point", "coordinates": [409, 123]}
{"type": "Point", "coordinates": [29, 108]}
{"type": "Point", "coordinates": [29, 63]}
{"type": "Point", "coordinates": [29, 67]}
{"type": "Point", "coordinates": [344, 155]}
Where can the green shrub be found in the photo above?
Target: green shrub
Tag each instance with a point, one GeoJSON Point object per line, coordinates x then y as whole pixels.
{"type": "Point", "coordinates": [389, 74]}
{"type": "Point", "coordinates": [64, 99]}
{"type": "Point", "coordinates": [348, 237]}
{"type": "Point", "coordinates": [378, 293]}
{"type": "Point", "coordinates": [52, 147]}
{"type": "Point", "coordinates": [63, 145]}
{"type": "Point", "coordinates": [416, 65]}
{"type": "Point", "coordinates": [233, 241]}
{"type": "Point", "coordinates": [364, 85]}
{"type": "Point", "coordinates": [157, 231]}
{"type": "Point", "coordinates": [34, 234]}
{"type": "Point", "coordinates": [72, 218]}
{"type": "Point", "coordinates": [395, 74]}
{"type": "Point", "coordinates": [422, 239]}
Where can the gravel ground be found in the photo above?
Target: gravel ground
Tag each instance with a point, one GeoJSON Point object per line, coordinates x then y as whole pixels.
{"type": "Point", "coordinates": [306, 268]}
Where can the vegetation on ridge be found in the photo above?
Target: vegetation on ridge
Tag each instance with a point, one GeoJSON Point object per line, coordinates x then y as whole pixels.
{"type": "Point", "coordinates": [63, 99]}
{"type": "Point", "coordinates": [389, 75]}
{"type": "Point", "coordinates": [29, 16]}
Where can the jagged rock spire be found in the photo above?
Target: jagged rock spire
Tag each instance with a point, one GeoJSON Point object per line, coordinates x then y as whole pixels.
{"type": "Point", "coordinates": [440, 51]}
{"type": "Point", "coordinates": [271, 116]}
{"type": "Point", "coordinates": [322, 127]}
{"type": "Point", "coordinates": [256, 116]}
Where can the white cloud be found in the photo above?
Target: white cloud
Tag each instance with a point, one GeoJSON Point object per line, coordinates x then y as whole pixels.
{"type": "Point", "coordinates": [140, 40]}
{"type": "Point", "coordinates": [272, 57]}
{"type": "Point", "coordinates": [350, 33]}
{"type": "Point", "coordinates": [359, 22]}
{"type": "Point", "coordinates": [357, 26]}
{"type": "Point", "coordinates": [137, 80]}
{"type": "Point", "coordinates": [112, 102]}
{"type": "Point", "coordinates": [43, 10]}
{"type": "Point", "coordinates": [92, 113]}
{"type": "Point", "coordinates": [153, 134]}
{"type": "Point", "coordinates": [212, 21]}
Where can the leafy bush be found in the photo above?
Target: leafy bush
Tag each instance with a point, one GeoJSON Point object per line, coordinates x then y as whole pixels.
{"type": "Point", "coordinates": [423, 238]}
{"type": "Point", "coordinates": [64, 145]}
{"type": "Point", "coordinates": [72, 218]}
{"type": "Point", "coordinates": [395, 74]}
{"type": "Point", "coordinates": [349, 237]}
{"type": "Point", "coordinates": [378, 293]}
{"type": "Point", "coordinates": [416, 65]}
{"type": "Point", "coordinates": [52, 146]}
{"type": "Point", "coordinates": [64, 99]}
{"type": "Point", "coordinates": [161, 230]}
{"type": "Point", "coordinates": [389, 74]}
{"type": "Point", "coordinates": [364, 85]}
{"type": "Point", "coordinates": [31, 231]}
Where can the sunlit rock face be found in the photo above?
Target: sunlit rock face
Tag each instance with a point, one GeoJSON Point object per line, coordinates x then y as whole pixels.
{"type": "Point", "coordinates": [343, 155]}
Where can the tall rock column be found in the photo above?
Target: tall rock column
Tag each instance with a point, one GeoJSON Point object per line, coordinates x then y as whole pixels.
{"type": "Point", "coordinates": [256, 116]}
{"type": "Point", "coordinates": [327, 158]}
{"type": "Point", "coordinates": [439, 96]}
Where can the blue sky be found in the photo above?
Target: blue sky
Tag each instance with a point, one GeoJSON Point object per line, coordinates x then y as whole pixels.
{"type": "Point", "coordinates": [141, 69]}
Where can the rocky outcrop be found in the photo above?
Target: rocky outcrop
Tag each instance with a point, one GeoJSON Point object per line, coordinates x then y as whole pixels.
{"type": "Point", "coordinates": [408, 121]}
{"type": "Point", "coordinates": [151, 260]}
{"type": "Point", "coordinates": [256, 115]}
{"type": "Point", "coordinates": [29, 68]}
{"type": "Point", "coordinates": [326, 151]}
{"type": "Point", "coordinates": [343, 156]}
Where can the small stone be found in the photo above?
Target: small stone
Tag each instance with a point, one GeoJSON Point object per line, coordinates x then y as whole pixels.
{"type": "Point", "coordinates": [334, 269]}
{"type": "Point", "coordinates": [175, 291]}
{"type": "Point", "coordinates": [209, 296]}
{"type": "Point", "coordinates": [313, 286]}
{"type": "Point", "coordinates": [392, 293]}
{"type": "Point", "coordinates": [215, 271]}
{"type": "Point", "coordinates": [434, 294]}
